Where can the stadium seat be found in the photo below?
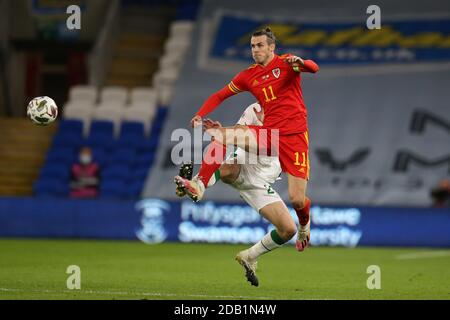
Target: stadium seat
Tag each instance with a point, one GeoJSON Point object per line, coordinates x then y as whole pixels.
{"type": "Point", "coordinates": [100, 155]}
{"type": "Point", "coordinates": [145, 159]}
{"type": "Point", "coordinates": [165, 77]}
{"type": "Point", "coordinates": [134, 189]}
{"type": "Point", "coordinates": [131, 128]}
{"type": "Point", "coordinates": [112, 115]}
{"type": "Point", "coordinates": [71, 126]}
{"type": "Point", "coordinates": [123, 155]}
{"type": "Point", "coordinates": [99, 127]}
{"type": "Point", "coordinates": [82, 113]}
{"type": "Point", "coordinates": [178, 44]}
{"type": "Point", "coordinates": [116, 171]}
{"type": "Point", "coordinates": [101, 134]}
{"type": "Point", "coordinates": [140, 172]}
{"type": "Point", "coordinates": [83, 93]}
{"type": "Point", "coordinates": [67, 140]}
{"type": "Point", "coordinates": [61, 156]}
{"type": "Point", "coordinates": [50, 187]}
{"type": "Point", "coordinates": [143, 94]}
{"type": "Point", "coordinates": [114, 94]}
{"type": "Point", "coordinates": [58, 171]}
{"type": "Point", "coordinates": [181, 27]}
{"type": "Point", "coordinates": [115, 188]}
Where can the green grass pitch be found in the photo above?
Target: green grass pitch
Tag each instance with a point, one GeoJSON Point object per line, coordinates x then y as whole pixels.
{"type": "Point", "coordinates": [36, 269]}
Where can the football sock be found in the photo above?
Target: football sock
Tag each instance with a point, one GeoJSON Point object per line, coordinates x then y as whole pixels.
{"type": "Point", "coordinates": [212, 161]}
{"type": "Point", "coordinates": [214, 178]}
{"type": "Point", "coordinates": [269, 242]}
{"type": "Point", "coordinates": [303, 214]}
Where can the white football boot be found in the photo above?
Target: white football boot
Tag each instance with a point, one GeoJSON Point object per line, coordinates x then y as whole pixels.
{"type": "Point", "coordinates": [249, 265]}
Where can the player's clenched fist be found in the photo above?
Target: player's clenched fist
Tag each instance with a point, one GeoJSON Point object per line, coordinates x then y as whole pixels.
{"type": "Point", "coordinates": [294, 60]}
{"type": "Point", "coordinates": [196, 121]}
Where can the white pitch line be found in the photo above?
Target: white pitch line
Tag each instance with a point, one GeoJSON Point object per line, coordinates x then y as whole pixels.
{"type": "Point", "coordinates": [124, 293]}
{"type": "Point", "coordinates": [423, 255]}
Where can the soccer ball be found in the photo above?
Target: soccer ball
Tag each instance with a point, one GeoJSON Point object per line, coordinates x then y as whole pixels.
{"type": "Point", "coordinates": [42, 110]}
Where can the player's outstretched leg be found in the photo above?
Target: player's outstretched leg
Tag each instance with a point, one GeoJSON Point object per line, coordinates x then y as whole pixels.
{"type": "Point", "coordinates": [185, 172]}
{"type": "Point", "coordinates": [303, 234]}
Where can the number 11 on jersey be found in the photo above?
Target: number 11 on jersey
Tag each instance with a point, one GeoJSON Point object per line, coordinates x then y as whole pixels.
{"type": "Point", "coordinates": [267, 96]}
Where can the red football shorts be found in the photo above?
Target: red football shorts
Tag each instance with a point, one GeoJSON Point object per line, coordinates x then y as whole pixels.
{"type": "Point", "coordinates": [292, 150]}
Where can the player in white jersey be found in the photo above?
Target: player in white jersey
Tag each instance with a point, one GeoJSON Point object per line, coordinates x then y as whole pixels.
{"type": "Point", "coordinates": [253, 181]}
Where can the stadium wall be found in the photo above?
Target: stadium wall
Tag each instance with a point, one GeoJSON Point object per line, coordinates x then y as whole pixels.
{"type": "Point", "coordinates": [155, 221]}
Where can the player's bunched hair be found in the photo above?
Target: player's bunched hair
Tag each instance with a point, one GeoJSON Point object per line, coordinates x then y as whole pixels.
{"type": "Point", "coordinates": [266, 32]}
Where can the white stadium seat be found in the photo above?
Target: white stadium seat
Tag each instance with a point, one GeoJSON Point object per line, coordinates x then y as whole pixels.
{"type": "Point", "coordinates": [165, 77]}
{"type": "Point", "coordinates": [113, 105]}
{"type": "Point", "coordinates": [108, 114]}
{"type": "Point", "coordinates": [83, 93]}
{"type": "Point", "coordinates": [165, 93]}
{"type": "Point", "coordinates": [80, 112]}
{"type": "Point", "coordinates": [143, 94]}
{"type": "Point", "coordinates": [148, 108]}
{"type": "Point", "coordinates": [177, 45]}
{"type": "Point", "coordinates": [115, 94]}
{"type": "Point", "coordinates": [170, 61]}
{"type": "Point", "coordinates": [181, 27]}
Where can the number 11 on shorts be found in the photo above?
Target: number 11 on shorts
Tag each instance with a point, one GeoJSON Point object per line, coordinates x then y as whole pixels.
{"type": "Point", "coordinates": [297, 159]}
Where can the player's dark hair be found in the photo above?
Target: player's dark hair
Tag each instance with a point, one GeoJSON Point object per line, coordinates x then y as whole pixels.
{"type": "Point", "coordinates": [266, 32]}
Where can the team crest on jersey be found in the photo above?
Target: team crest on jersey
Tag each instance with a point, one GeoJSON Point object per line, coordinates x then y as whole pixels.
{"type": "Point", "coordinates": [276, 72]}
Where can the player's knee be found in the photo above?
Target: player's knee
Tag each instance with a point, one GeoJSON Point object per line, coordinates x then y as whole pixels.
{"type": "Point", "coordinates": [298, 200]}
{"type": "Point", "coordinates": [288, 232]}
{"type": "Point", "coordinates": [227, 174]}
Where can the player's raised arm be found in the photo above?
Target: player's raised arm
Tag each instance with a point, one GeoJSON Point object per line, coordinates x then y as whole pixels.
{"type": "Point", "coordinates": [234, 87]}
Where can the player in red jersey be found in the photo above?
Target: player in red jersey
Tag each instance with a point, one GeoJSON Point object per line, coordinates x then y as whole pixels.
{"type": "Point", "coordinates": [275, 82]}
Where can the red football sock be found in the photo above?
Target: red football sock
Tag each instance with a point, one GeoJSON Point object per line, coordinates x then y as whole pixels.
{"type": "Point", "coordinates": [303, 214]}
{"type": "Point", "coordinates": [212, 161]}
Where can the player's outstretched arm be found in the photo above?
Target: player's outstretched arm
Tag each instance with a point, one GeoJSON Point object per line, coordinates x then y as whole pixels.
{"type": "Point", "coordinates": [211, 103]}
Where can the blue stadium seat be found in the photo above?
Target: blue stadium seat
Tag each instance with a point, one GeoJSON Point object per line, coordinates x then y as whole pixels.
{"type": "Point", "coordinates": [148, 145]}
{"type": "Point", "coordinates": [74, 127]}
{"type": "Point", "coordinates": [116, 171]}
{"type": "Point", "coordinates": [134, 188]}
{"type": "Point", "coordinates": [140, 172]}
{"type": "Point", "coordinates": [50, 187]}
{"type": "Point", "coordinates": [61, 156]}
{"type": "Point", "coordinates": [67, 140]}
{"type": "Point", "coordinates": [123, 155]}
{"type": "Point", "coordinates": [130, 128]}
{"type": "Point", "coordinates": [58, 171]}
{"type": "Point", "coordinates": [116, 188]}
{"type": "Point", "coordinates": [145, 159]}
{"type": "Point", "coordinates": [100, 155]}
{"type": "Point", "coordinates": [100, 140]}
{"type": "Point", "coordinates": [101, 128]}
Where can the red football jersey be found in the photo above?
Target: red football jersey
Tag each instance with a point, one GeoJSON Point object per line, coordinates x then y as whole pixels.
{"type": "Point", "coordinates": [277, 89]}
